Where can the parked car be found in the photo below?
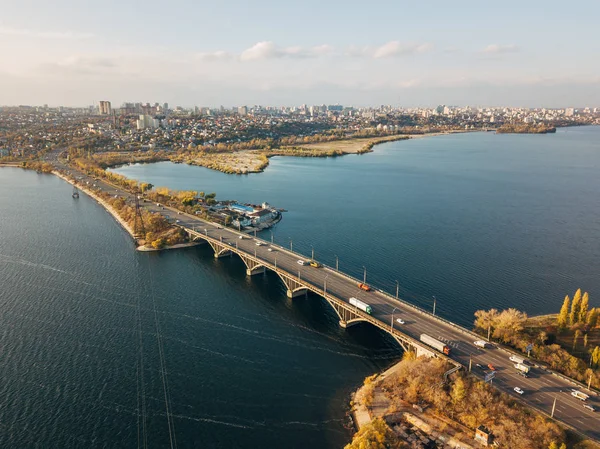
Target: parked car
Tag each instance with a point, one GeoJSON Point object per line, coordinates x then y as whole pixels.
{"type": "Point", "coordinates": [518, 390]}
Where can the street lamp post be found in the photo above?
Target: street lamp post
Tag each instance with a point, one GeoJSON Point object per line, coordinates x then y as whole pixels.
{"type": "Point", "coordinates": [312, 252]}
{"type": "Point", "coordinates": [271, 237]}
{"type": "Point", "coordinates": [299, 275]}
{"type": "Point", "coordinates": [337, 263]}
{"type": "Point", "coordinates": [325, 285]}
{"type": "Point", "coordinates": [364, 275]}
{"type": "Point", "coordinates": [206, 231]}
{"type": "Point", "coordinates": [434, 302]}
{"type": "Point", "coordinates": [291, 245]}
{"type": "Point", "coordinates": [275, 263]}
{"type": "Point", "coordinates": [397, 289]}
{"type": "Point", "coordinates": [392, 322]}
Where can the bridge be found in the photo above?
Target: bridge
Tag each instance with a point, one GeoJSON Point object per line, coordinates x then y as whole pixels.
{"type": "Point", "coordinates": [334, 286]}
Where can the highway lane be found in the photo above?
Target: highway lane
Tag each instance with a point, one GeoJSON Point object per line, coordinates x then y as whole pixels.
{"type": "Point", "coordinates": [541, 388]}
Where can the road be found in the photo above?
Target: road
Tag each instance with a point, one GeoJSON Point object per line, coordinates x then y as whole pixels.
{"type": "Point", "coordinates": [541, 388]}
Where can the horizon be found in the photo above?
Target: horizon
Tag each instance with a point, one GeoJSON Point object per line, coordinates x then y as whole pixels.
{"type": "Point", "coordinates": [200, 53]}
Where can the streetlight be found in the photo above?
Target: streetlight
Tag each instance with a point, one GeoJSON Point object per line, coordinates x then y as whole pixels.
{"type": "Point", "coordinates": [325, 285]}
{"type": "Point", "coordinates": [271, 237]}
{"type": "Point", "coordinates": [434, 302]}
{"type": "Point", "coordinates": [275, 263]}
{"type": "Point", "coordinates": [255, 232]}
{"type": "Point", "coordinates": [397, 288]}
{"type": "Point", "coordinates": [365, 275]}
{"type": "Point", "coordinates": [291, 245]}
{"type": "Point", "coordinates": [312, 252]}
{"type": "Point", "coordinates": [299, 274]}
{"type": "Point", "coordinates": [336, 263]}
{"type": "Point", "coordinates": [206, 231]}
{"type": "Point", "coordinates": [392, 322]}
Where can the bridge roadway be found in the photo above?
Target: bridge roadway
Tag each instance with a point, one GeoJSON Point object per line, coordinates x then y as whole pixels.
{"type": "Point", "coordinates": [541, 388]}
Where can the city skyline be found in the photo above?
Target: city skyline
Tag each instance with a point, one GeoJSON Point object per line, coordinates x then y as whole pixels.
{"type": "Point", "coordinates": [194, 53]}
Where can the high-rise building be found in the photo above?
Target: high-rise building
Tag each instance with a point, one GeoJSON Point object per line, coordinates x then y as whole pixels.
{"type": "Point", "coordinates": [570, 112]}
{"type": "Point", "coordinates": [105, 108]}
{"type": "Point", "coordinates": [243, 110]}
{"type": "Point", "coordinates": [147, 122]}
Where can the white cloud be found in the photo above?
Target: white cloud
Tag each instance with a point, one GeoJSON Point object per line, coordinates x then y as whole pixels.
{"type": "Point", "coordinates": [268, 50]}
{"type": "Point", "coordinates": [389, 50]}
{"type": "Point", "coordinates": [218, 55]}
{"type": "Point", "coordinates": [24, 32]}
{"type": "Point", "coordinates": [494, 49]}
{"type": "Point", "coordinates": [396, 48]}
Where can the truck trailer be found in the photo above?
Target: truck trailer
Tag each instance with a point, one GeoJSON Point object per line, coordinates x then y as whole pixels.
{"type": "Point", "coordinates": [579, 395]}
{"type": "Point", "coordinates": [522, 367]}
{"type": "Point", "coordinates": [361, 305]}
{"type": "Point", "coordinates": [434, 343]}
{"type": "Point", "coordinates": [518, 359]}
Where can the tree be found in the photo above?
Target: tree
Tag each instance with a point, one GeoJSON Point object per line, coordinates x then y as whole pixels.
{"type": "Point", "coordinates": [595, 359]}
{"type": "Point", "coordinates": [459, 391]}
{"type": "Point", "coordinates": [592, 318]}
{"type": "Point", "coordinates": [375, 435]}
{"type": "Point", "coordinates": [583, 309]}
{"type": "Point", "coordinates": [576, 337]}
{"type": "Point", "coordinates": [563, 316]}
{"type": "Point", "coordinates": [486, 319]}
{"type": "Point", "coordinates": [575, 306]}
{"type": "Point", "coordinates": [509, 325]}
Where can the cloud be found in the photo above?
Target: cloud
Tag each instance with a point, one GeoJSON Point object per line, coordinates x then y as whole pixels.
{"type": "Point", "coordinates": [495, 49]}
{"type": "Point", "coordinates": [218, 55]}
{"type": "Point", "coordinates": [24, 32]}
{"type": "Point", "coordinates": [389, 50]}
{"type": "Point", "coordinates": [268, 50]}
{"type": "Point", "coordinates": [396, 48]}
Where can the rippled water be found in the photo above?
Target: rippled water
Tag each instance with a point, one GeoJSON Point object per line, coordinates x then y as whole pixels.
{"type": "Point", "coordinates": [81, 366]}
{"type": "Point", "coordinates": [478, 220]}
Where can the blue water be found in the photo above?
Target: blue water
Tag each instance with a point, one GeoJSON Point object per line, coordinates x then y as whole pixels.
{"type": "Point", "coordinates": [478, 220]}
{"type": "Point", "coordinates": [89, 326]}
{"type": "Point", "coordinates": [81, 318]}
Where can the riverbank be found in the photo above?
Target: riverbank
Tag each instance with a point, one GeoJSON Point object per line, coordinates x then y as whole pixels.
{"type": "Point", "coordinates": [243, 162]}
{"type": "Point", "coordinates": [140, 243]}
{"type": "Point", "coordinates": [414, 402]}
{"type": "Point", "coordinates": [100, 201]}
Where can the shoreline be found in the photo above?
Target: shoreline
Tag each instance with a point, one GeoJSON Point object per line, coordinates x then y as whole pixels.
{"type": "Point", "coordinates": [218, 161]}
{"type": "Point", "coordinates": [119, 220]}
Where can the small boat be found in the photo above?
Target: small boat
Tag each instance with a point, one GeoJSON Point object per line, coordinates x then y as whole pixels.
{"type": "Point", "coordinates": [75, 193]}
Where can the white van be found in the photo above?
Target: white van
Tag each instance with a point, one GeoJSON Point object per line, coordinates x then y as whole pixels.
{"type": "Point", "coordinates": [301, 262]}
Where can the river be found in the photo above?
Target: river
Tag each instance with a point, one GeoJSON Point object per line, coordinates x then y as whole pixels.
{"type": "Point", "coordinates": [98, 341]}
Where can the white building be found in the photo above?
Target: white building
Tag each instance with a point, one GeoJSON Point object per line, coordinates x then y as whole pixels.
{"type": "Point", "coordinates": [147, 122]}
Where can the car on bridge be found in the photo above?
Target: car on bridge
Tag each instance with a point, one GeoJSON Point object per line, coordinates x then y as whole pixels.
{"type": "Point", "coordinates": [400, 321]}
{"type": "Point", "coordinates": [491, 367]}
{"type": "Point", "coordinates": [314, 263]}
{"type": "Point", "coordinates": [591, 408]}
{"type": "Point", "coordinates": [364, 287]}
{"type": "Point", "coordinates": [301, 262]}
{"type": "Point", "coordinates": [518, 390]}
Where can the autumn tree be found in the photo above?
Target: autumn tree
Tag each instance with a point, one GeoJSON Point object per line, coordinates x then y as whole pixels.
{"type": "Point", "coordinates": [486, 319]}
{"type": "Point", "coordinates": [592, 318]}
{"type": "Point", "coordinates": [563, 316]}
{"type": "Point", "coordinates": [583, 308]}
{"type": "Point", "coordinates": [575, 307]}
{"type": "Point", "coordinates": [509, 324]}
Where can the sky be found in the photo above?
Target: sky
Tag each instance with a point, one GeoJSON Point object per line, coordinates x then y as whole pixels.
{"type": "Point", "coordinates": [526, 53]}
